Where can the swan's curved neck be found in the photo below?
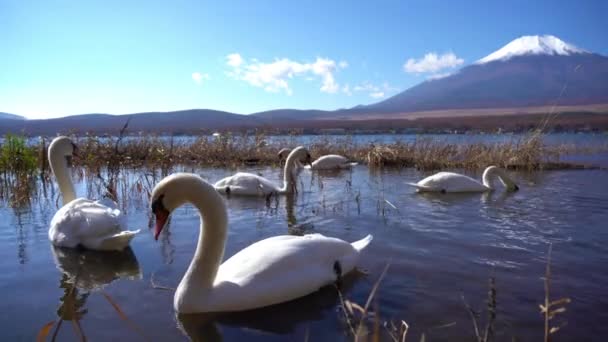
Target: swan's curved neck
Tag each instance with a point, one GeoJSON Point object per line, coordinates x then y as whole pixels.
{"type": "Point", "coordinates": [487, 177]}
{"type": "Point", "coordinates": [493, 171]}
{"type": "Point", "coordinates": [212, 237]}
{"type": "Point", "coordinates": [289, 181]}
{"type": "Point", "coordinates": [59, 167]}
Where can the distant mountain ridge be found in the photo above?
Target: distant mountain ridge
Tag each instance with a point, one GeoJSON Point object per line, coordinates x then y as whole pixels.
{"type": "Point", "coordinates": [529, 72]}
{"type": "Point", "coordinates": [9, 116]}
{"type": "Point", "coordinates": [185, 120]}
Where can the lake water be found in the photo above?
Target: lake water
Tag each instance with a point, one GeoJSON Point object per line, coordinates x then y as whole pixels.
{"type": "Point", "coordinates": [439, 247]}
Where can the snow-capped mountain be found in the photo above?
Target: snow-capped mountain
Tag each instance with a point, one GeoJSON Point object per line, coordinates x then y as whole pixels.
{"type": "Point", "coordinates": [532, 45]}
{"type": "Point", "coordinates": [529, 71]}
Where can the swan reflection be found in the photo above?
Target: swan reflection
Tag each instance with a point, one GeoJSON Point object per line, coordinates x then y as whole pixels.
{"type": "Point", "coordinates": [89, 270]}
{"type": "Point", "coordinates": [84, 271]}
{"type": "Point", "coordinates": [280, 319]}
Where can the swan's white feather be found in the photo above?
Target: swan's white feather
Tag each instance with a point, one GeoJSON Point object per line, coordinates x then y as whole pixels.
{"type": "Point", "coordinates": [92, 224]}
{"type": "Point", "coordinates": [246, 184]}
{"type": "Point", "coordinates": [449, 182]}
{"type": "Point", "coordinates": [274, 270]}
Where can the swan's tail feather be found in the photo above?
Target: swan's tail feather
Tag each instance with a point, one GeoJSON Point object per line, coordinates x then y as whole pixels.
{"type": "Point", "coordinates": [361, 244]}
{"type": "Point", "coordinates": [117, 241]}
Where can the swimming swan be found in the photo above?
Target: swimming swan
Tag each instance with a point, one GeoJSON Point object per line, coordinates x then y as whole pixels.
{"type": "Point", "coordinates": [249, 184]}
{"type": "Point", "coordinates": [96, 225]}
{"type": "Point", "coordinates": [270, 271]}
{"type": "Point", "coordinates": [327, 162]}
{"type": "Point", "coordinates": [454, 182]}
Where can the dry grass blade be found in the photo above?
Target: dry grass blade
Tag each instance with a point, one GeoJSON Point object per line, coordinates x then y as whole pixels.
{"type": "Point", "coordinates": [78, 330]}
{"type": "Point", "coordinates": [44, 331]}
{"type": "Point", "coordinates": [489, 334]}
{"type": "Point", "coordinates": [361, 326]}
{"type": "Point", "coordinates": [551, 308]}
{"type": "Point", "coordinates": [473, 315]}
{"type": "Point", "coordinates": [398, 334]}
{"type": "Point", "coordinates": [348, 311]}
{"type": "Point", "coordinates": [57, 327]}
{"type": "Point", "coordinates": [391, 204]}
{"type": "Point", "coordinates": [375, 289]}
{"type": "Point", "coordinates": [545, 309]}
{"type": "Point", "coordinates": [124, 317]}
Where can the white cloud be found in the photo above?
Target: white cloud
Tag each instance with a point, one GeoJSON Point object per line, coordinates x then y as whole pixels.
{"type": "Point", "coordinates": [275, 76]}
{"type": "Point", "coordinates": [234, 60]}
{"type": "Point", "coordinates": [198, 77]}
{"type": "Point", "coordinates": [343, 64]}
{"type": "Point", "coordinates": [377, 95]}
{"type": "Point", "coordinates": [439, 76]}
{"type": "Point", "coordinates": [432, 63]}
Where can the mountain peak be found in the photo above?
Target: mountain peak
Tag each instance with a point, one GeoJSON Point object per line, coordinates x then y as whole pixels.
{"type": "Point", "coordinates": [532, 45]}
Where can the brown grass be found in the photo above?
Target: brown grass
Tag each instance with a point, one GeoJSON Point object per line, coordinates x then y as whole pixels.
{"type": "Point", "coordinates": [105, 158]}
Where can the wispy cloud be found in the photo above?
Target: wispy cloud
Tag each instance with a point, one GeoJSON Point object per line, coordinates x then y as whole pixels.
{"type": "Point", "coordinates": [276, 75]}
{"type": "Point", "coordinates": [375, 91]}
{"type": "Point", "coordinates": [200, 77]}
{"type": "Point", "coordinates": [234, 60]}
{"type": "Point", "coordinates": [432, 63]}
{"type": "Point", "coordinates": [439, 76]}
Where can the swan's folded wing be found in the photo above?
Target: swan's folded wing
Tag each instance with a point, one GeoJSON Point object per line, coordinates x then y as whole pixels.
{"type": "Point", "coordinates": [89, 223]}
{"type": "Point", "coordinates": [244, 183]}
{"type": "Point", "coordinates": [281, 268]}
{"type": "Point", "coordinates": [420, 187]}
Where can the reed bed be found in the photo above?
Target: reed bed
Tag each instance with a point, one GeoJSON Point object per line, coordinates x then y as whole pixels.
{"type": "Point", "coordinates": [529, 152]}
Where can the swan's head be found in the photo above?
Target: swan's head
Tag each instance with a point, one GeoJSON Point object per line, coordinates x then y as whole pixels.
{"type": "Point", "coordinates": [64, 147]}
{"type": "Point", "coordinates": [174, 191]}
{"type": "Point", "coordinates": [283, 153]}
{"type": "Point", "coordinates": [300, 154]}
{"type": "Point", "coordinates": [504, 178]}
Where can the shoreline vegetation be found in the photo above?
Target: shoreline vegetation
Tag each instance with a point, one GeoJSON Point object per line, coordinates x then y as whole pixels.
{"type": "Point", "coordinates": [527, 152]}
{"type": "Point", "coordinates": [24, 162]}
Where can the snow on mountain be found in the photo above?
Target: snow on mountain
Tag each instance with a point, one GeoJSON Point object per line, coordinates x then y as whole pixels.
{"type": "Point", "coordinates": [532, 45]}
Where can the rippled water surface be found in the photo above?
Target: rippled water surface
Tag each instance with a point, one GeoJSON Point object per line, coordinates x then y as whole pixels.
{"type": "Point", "coordinates": [439, 247]}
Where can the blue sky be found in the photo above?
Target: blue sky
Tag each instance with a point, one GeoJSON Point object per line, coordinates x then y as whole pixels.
{"type": "Point", "coordinates": [70, 57]}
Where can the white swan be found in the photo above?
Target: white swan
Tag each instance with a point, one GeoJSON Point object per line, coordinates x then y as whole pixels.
{"type": "Point", "coordinates": [454, 182]}
{"type": "Point", "coordinates": [91, 224]}
{"type": "Point", "coordinates": [327, 162]}
{"type": "Point", "coordinates": [249, 184]}
{"type": "Point", "coordinates": [270, 271]}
